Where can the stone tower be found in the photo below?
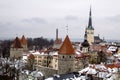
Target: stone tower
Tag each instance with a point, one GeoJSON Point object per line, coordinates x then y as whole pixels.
{"type": "Point", "coordinates": [16, 49]}
{"type": "Point", "coordinates": [57, 42]}
{"type": "Point", "coordinates": [66, 57]}
{"type": "Point", "coordinates": [90, 30]}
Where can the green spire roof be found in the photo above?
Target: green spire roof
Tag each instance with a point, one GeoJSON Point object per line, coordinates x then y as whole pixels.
{"type": "Point", "coordinates": [90, 21]}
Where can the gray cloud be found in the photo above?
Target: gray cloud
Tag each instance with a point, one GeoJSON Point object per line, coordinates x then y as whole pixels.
{"type": "Point", "coordinates": [5, 24]}
{"type": "Point", "coordinates": [41, 17]}
{"type": "Point", "coordinates": [35, 20]}
{"type": "Point", "coordinates": [70, 17]}
{"type": "Point", "coordinates": [115, 19]}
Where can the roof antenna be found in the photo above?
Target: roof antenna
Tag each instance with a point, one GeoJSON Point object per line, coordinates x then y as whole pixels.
{"type": "Point", "coordinates": [16, 35]}
{"type": "Point", "coordinates": [67, 29]}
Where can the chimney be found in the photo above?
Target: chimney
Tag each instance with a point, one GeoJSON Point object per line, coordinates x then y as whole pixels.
{"type": "Point", "coordinates": [56, 33]}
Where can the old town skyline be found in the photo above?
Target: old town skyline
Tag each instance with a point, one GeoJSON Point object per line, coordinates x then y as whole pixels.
{"type": "Point", "coordinates": [41, 18]}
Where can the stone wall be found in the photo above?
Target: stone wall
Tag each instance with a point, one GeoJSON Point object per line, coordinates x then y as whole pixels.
{"type": "Point", "coordinates": [47, 72]}
{"type": "Point", "coordinates": [16, 52]}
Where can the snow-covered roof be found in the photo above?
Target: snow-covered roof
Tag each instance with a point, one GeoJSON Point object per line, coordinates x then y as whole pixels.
{"type": "Point", "coordinates": [78, 52]}
{"type": "Point", "coordinates": [112, 48]}
{"type": "Point", "coordinates": [51, 78]}
{"type": "Point", "coordinates": [53, 53]}
{"type": "Point", "coordinates": [117, 55]}
{"type": "Point", "coordinates": [81, 78]}
{"type": "Point", "coordinates": [36, 73]}
{"type": "Point", "coordinates": [88, 70]}
{"type": "Point", "coordinates": [24, 57]}
{"type": "Point", "coordinates": [101, 70]}
{"type": "Point", "coordinates": [36, 53]}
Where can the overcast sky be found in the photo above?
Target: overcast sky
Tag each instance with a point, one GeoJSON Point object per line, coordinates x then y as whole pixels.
{"type": "Point", "coordinates": [36, 18]}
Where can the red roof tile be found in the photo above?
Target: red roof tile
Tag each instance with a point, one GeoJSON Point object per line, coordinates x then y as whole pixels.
{"type": "Point", "coordinates": [17, 43]}
{"type": "Point", "coordinates": [31, 56]}
{"type": "Point", "coordinates": [66, 47]}
{"type": "Point", "coordinates": [117, 65]}
{"type": "Point", "coordinates": [23, 40]}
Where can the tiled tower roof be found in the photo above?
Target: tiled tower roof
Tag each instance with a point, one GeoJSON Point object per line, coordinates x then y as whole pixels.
{"type": "Point", "coordinates": [17, 43]}
{"type": "Point", "coordinates": [66, 47]}
{"type": "Point", "coordinates": [23, 40]}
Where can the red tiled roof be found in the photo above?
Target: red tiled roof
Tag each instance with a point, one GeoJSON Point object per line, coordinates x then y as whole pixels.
{"type": "Point", "coordinates": [117, 65]}
{"type": "Point", "coordinates": [23, 40]}
{"type": "Point", "coordinates": [31, 56]}
{"type": "Point", "coordinates": [66, 47]}
{"type": "Point", "coordinates": [17, 43]}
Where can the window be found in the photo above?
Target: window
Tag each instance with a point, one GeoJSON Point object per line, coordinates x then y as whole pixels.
{"type": "Point", "coordinates": [55, 65]}
{"type": "Point", "coordinates": [55, 60]}
{"type": "Point", "coordinates": [63, 56]}
{"type": "Point", "coordinates": [91, 32]}
{"type": "Point", "coordinates": [39, 56]}
{"type": "Point", "coordinates": [44, 61]}
{"type": "Point", "coordinates": [39, 60]}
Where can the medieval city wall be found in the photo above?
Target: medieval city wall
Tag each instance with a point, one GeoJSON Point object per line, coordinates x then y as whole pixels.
{"type": "Point", "coordinates": [48, 72]}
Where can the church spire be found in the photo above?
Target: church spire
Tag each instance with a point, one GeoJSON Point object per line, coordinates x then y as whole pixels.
{"type": "Point", "coordinates": [90, 20]}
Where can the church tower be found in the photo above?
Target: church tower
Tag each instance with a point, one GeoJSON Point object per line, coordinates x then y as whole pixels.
{"type": "Point", "coordinates": [90, 30]}
{"type": "Point", "coordinates": [66, 57]}
{"type": "Point", "coordinates": [85, 45]}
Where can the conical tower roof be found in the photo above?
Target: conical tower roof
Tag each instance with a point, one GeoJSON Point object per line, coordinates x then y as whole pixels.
{"type": "Point", "coordinates": [90, 21]}
{"type": "Point", "coordinates": [23, 40]}
{"type": "Point", "coordinates": [17, 43]}
{"type": "Point", "coordinates": [66, 47]}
